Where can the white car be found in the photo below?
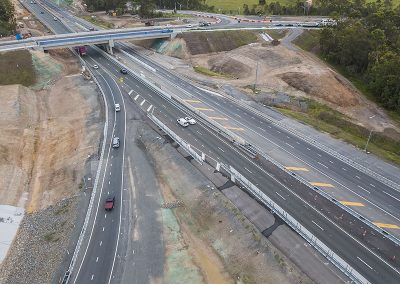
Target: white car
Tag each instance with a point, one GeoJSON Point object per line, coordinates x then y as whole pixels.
{"type": "Point", "coordinates": [95, 66]}
{"type": "Point", "coordinates": [189, 26]}
{"type": "Point", "coordinates": [183, 122]}
{"type": "Point", "coordinates": [190, 120]}
{"type": "Point", "coordinates": [55, 19]}
{"type": "Point", "coordinates": [117, 107]}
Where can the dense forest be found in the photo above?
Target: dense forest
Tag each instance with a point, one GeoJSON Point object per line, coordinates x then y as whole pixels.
{"type": "Point", "coordinates": [7, 19]}
{"type": "Point", "coordinates": [367, 44]}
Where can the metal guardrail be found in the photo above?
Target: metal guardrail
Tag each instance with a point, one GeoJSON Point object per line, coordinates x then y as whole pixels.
{"type": "Point", "coordinates": [176, 138]}
{"type": "Point", "coordinates": [223, 131]}
{"type": "Point", "coordinates": [296, 226]}
{"type": "Point", "coordinates": [247, 147]}
{"type": "Point", "coordinates": [94, 191]}
{"type": "Point", "coordinates": [320, 146]}
{"type": "Point", "coordinates": [332, 199]}
{"type": "Point", "coordinates": [235, 176]}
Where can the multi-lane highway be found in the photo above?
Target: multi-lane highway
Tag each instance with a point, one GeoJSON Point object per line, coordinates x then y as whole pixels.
{"type": "Point", "coordinates": [357, 252]}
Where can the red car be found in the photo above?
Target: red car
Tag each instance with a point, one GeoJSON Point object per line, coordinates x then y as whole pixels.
{"type": "Point", "coordinates": [109, 205]}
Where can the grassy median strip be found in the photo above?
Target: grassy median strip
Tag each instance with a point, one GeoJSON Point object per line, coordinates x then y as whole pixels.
{"type": "Point", "coordinates": [325, 119]}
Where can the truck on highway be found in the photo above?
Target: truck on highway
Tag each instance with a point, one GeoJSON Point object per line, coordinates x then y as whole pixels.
{"type": "Point", "coordinates": [81, 50]}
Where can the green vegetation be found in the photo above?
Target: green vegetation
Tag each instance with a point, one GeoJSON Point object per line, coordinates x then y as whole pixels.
{"type": "Point", "coordinates": [208, 72]}
{"type": "Point", "coordinates": [207, 42]}
{"type": "Point", "coordinates": [176, 15]}
{"type": "Point", "coordinates": [51, 237]}
{"type": "Point", "coordinates": [323, 118]}
{"type": "Point", "coordinates": [308, 40]}
{"type": "Point", "coordinates": [367, 47]}
{"type": "Point", "coordinates": [7, 19]}
{"type": "Point", "coordinates": [99, 22]}
{"type": "Point", "coordinates": [16, 68]}
{"type": "Point", "coordinates": [277, 34]}
{"type": "Point", "coordinates": [290, 7]}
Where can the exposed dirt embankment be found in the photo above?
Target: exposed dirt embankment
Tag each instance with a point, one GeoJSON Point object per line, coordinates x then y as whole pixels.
{"type": "Point", "coordinates": [46, 136]}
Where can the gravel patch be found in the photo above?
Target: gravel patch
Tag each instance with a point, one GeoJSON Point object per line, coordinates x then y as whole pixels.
{"type": "Point", "coordinates": [40, 245]}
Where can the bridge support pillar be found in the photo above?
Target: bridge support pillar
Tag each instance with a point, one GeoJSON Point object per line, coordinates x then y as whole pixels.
{"type": "Point", "coordinates": [110, 46]}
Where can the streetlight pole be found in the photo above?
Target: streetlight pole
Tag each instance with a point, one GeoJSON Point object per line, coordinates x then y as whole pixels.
{"type": "Point", "coordinates": [369, 137]}
{"type": "Point", "coordinates": [255, 83]}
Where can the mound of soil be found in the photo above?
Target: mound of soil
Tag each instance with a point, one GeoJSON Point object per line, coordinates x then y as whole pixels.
{"type": "Point", "coordinates": [230, 66]}
{"type": "Point", "coordinates": [321, 86]}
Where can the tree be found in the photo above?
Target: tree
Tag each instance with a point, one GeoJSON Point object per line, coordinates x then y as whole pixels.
{"type": "Point", "coordinates": [7, 19]}
{"type": "Point", "coordinates": [147, 8]}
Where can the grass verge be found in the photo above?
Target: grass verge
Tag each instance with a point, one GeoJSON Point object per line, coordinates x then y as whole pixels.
{"type": "Point", "coordinates": [99, 22]}
{"type": "Point", "coordinates": [208, 72]}
{"type": "Point", "coordinates": [325, 119]}
{"type": "Point", "coordinates": [16, 68]}
{"type": "Point", "coordinates": [277, 34]}
{"type": "Point", "coordinates": [308, 40]}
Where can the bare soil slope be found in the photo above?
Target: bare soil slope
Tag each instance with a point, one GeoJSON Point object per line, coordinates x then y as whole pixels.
{"type": "Point", "coordinates": [280, 69]}
{"type": "Point", "coordinates": [45, 139]}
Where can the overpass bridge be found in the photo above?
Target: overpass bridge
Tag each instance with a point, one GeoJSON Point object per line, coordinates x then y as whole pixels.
{"type": "Point", "coordinates": [87, 38]}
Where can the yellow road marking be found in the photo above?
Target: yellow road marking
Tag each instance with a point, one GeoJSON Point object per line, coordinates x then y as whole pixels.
{"type": "Point", "coordinates": [350, 203]}
{"type": "Point", "coordinates": [321, 184]}
{"type": "Point", "coordinates": [192, 101]}
{"type": "Point", "coordinates": [202, 108]}
{"type": "Point", "coordinates": [217, 118]}
{"type": "Point", "coordinates": [390, 226]}
{"type": "Point", "coordinates": [234, 128]}
{"type": "Point", "coordinates": [296, 169]}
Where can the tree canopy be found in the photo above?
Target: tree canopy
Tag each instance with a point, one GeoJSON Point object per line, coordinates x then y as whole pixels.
{"type": "Point", "coordinates": [7, 19]}
{"type": "Point", "coordinates": [367, 45]}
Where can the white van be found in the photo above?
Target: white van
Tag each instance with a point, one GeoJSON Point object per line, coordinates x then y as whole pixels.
{"type": "Point", "coordinates": [183, 122]}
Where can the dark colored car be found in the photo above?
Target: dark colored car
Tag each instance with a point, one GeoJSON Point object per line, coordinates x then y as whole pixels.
{"type": "Point", "coordinates": [41, 12]}
{"type": "Point", "coordinates": [110, 202]}
{"type": "Point", "coordinates": [124, 71]}
{"type": "Point", "coordinates": [91, 29]}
